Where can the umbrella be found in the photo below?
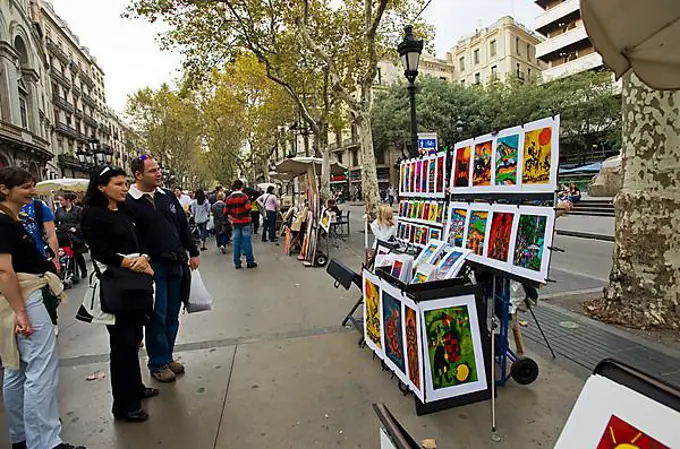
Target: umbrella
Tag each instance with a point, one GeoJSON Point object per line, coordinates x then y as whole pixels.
{"type": "Point", "coordinates": [640, 35]}
{"type": "Point", "coordinates": [69, 184]}
{"type": "Point", "coordinates": [297, 166]}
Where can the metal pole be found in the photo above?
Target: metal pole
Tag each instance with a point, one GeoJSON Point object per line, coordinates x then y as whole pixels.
{"type": "Point", "coordinates": [414, 122]}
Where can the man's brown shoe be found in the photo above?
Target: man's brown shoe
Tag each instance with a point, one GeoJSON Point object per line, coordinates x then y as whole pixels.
{"type": "Point", "coordinates": [164, 375]}
{"type": "Point", "coordinates": [176, 367]}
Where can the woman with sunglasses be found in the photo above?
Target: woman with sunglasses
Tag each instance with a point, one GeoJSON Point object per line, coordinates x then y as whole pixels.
{"type": "Point", "coordinates": [29, 346]}
{"type": "Point", "coordinates": [113, 240]}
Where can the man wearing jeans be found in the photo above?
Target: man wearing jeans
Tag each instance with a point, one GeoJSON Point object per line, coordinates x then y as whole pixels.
{"type": "Point", "coordinates": [238, 210]}
{"type": "Point", "coordinates": [270, 204]}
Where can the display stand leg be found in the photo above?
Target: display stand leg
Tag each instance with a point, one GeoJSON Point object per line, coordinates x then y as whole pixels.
{"type": "Point", "coordinates": [540, 329]}
{"type": "Point", "coordinates": [350, 315]}
{"type": "Point", "coordinates": [493, 356]}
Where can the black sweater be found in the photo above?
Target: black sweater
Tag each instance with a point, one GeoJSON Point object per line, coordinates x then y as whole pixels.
{"type": "Point", "coordinates": [109, 233]}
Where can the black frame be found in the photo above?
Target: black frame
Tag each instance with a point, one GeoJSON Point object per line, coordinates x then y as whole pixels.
{"type": "Point", "coordinates": [399, 436]}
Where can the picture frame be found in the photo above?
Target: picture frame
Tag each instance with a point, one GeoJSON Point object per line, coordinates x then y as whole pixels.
{"type": "Point", "coordinates": [502, 229]}
{"type": "Point", "coordinates": [460, 167]}
{"type": "Point", "coordinates": [477, 230]}
{"type": "Point", "coordinates": [481, 163]}
{"type": "Point", "coordinates": [539, 137]}
{"type": "Point", "coordinates": [424, 272]}
{"type": "Point", "coordinates": [432, 249]}
{"type": "Point", "coordinates": [531, 256]}
{"type": "Point", "coordinates": [507, 160]}
{"type": "Point", "coordinates": [413, 348]}
{"type": "Point", "coordinates": [456, 227]}
{"type": "Point", "coordinates": [372, 305]}
{"type": "Point", "coordinates": [451, 262]}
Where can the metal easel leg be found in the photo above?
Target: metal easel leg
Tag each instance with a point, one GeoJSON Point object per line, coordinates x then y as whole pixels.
{"type": "Point", "coordinates": [351, 312]}
{"type": "Point", "coordinates": [545, 338]}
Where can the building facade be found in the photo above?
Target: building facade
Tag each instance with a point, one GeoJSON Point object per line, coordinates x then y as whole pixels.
{"type": "Point", "coordinates": [25, 106]}
{"type": "Point", "coordinates": [498, 52]}
{"type": "Point", "coordinates": [389, 73]}
{"type": "Point", "coordinates": [567, 49]}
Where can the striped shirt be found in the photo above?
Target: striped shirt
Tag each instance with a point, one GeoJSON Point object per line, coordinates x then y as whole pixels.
{"type": "Point", "coordinates": [238, 208]}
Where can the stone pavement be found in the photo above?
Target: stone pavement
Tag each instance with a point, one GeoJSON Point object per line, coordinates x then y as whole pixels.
{"type": "Point", "coordinates": [271, 367]}
{"type": "Point", "coordinates": [599, 228]}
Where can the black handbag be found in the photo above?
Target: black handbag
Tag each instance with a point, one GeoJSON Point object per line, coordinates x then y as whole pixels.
{"type": "Point", "coordinates": [122, 290]}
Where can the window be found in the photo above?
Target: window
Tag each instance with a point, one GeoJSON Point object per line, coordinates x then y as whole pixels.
{"type": "Point", "coordinates": [529, 73]}
{"type": "Point", "coordinates": [355, 158]}
{"type": "Point", "coordinates": [476, 54]}
{"type": "Point", "coordinates": [492, 47]}
{"type": "Point", "coordinates": [23, 110]}
{"type": "Point", "coordinates": [461, 63]}
{"type": "Point", "coordinates": [494, 73]}
{"type": "Point", "coordinates": [379, 76]}
{"type": "Point", "coordinates": [477, 78]}
{"type": "Point", "coordinates": [519, 52]}
{"type": "Point", "coordinates": [529, 52]}
{"type": "Point", "coordinates": [339, 156]}
{"type": "Point", "coordinates": [462, 83]}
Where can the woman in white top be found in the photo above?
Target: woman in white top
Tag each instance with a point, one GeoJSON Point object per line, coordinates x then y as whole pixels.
{"type": "Point", "coordinates": [200, 210]}
{"type": "Point", "coordinates": [384, 228]}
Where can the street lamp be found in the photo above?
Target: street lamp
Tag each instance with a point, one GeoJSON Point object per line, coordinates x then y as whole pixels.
{"type": "Point", "coordinates": [410, 50]}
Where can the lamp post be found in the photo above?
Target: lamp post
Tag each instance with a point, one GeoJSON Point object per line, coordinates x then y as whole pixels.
{"type": "Point", "coordinates": [94, 154]}
{"type": "Point", "coordinates": [410, 50]}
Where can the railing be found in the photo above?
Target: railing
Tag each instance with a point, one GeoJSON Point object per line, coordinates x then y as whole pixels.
{"type": "Point", "coordinates": [62, 103]}
{"type": "Point", "coordinates": [60, 77]}
{"type": "Point", "coordinates": [67, 130]}
{"type": "Point", "coordinates": [350, 142]}
{"type": "Point", "coordinates": [76, 90]}
{"type": "Point", "coordinates": [555, 13]}
{"type": "Point", "coordinates": [79, 113]}
{"type": "Point", "coordinates": [581, 64]}
{"type": "Point", "coordinates": [58, 52]}
{"type": "Point", "coordinates": [90, 121]}
{"type": "Point", "coordinates": [69, 160]}
{"type": "Point", "coordinates": [561, 41]}
{"type": "Point", "coordinates": [89, 100]}
{"type": "Point", "coordinates": [86, 78]}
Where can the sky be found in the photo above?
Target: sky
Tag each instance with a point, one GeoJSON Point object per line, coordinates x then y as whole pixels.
{"type": "Point", "coordinates": [128, 50]}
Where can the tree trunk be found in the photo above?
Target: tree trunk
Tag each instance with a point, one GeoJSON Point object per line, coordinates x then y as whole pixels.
{"type": "Point", "coordinates": [644, 289]}
{"type": "Point", "coordinates": [369, 173]}
{"type": "Point", "coordinates": [325, 181]}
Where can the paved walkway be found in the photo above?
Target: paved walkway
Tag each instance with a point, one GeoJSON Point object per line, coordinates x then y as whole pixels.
{"type": "Point", "coordinates": [602, 228]}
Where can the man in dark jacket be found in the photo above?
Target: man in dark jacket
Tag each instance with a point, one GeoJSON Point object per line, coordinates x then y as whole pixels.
{"type": "Point", "coordinates": [164, 231]}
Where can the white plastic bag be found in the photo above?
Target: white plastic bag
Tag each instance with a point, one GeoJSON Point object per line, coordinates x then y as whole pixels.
{"type": "Point", "coordinates": [211, 223]}
{"type": "Point", "coordinates": [200, 298]}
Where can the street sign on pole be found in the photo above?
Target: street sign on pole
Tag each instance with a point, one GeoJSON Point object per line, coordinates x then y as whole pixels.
{"type": "Point", "coordinates": [427, 143]}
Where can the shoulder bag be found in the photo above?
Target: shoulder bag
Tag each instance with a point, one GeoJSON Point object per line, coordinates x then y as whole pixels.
{"type": "Point", "coordinates": [123, 290]}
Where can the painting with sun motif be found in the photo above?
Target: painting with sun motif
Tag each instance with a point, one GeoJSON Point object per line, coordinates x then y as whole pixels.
{"type": "Point", "coordinates": [621, 435]}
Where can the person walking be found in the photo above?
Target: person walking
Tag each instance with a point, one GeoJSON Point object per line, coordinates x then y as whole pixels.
{"type": "Point", "coordinates": [68, 217]}
{"type": "Point", "coordinates": [200, 210]}
{"type": "Point", "coordinates": [222, 225]}
{"type": "Point", "coordinates": [271, 205]}
{"type": "Point", "coordinates": [238, 210]}
{"type": "Point", "coordinates": [183, 199]}
{"type": "Point", "coordinates": [390, 195]}
{"type": "Point", "coordinates": [164, 230]}
{"type": "Point", "coordinates": [29, 349]}
{"type": "Point", "coordinates": [114, 242]}
{"type": "Point", "coordinates": [255, 217]}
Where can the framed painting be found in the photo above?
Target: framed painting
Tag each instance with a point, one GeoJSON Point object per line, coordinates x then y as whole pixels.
{"type": "Point", "coordinates": [393, 330]}
{"type": "Point", "coordinates": [451, 262]}
{"type": "Point", "coordinates": [373, 313]}
{"type": "Point", "coordinates": [407, 177]}
{"type": "Point", "coordinates": [477, 230]}
{"type": "Point", "coordinates": [419, 177]}
{"type": "Point", "coordinates": [457, 225]}
{"type": "Point", "coordinates": [414, 348]}
{"type": "Point", "coordinates": [481, 171]}
{"type": "Point", "coordinates": [453, 347]}
{"type": "Point", "coordinates": [424, 235]}
{"type": "Point", "coordinates": [402, 181]}
{"type": "Point", "coordinates": [440, 190]}
{"type": "Point", "coordinates": [507, 159]}
{"type": "Point", "coordinates": [430, 253]}
{"type": "Point", "coordinates": [431, 174]}
{"type": "Point", "coordinates": [412, 176]}
{"type": "Point", "coordinates": [460, 173]}
{"type": "Point", "coordinates": [325, 220]}
{"type": "Point", "coordinates": [503, 227]}
{"type": "Point", "coordinates": [435, 234]}
{"type": "Point", "coordinates": [532, 240]}
{"type": "Point", "coordinates": [540, 155]}
{"type": "Point", "coordinates": [426, 211]}
{"type": "Point", "coordinates": [433, 212]}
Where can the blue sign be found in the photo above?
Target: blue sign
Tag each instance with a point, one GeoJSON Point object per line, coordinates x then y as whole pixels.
{"type": "Point", "coordinates": [427, 143]}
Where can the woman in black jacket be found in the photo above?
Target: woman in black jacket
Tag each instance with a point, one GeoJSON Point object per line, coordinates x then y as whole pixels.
{"type": "Point", "coordinates": [113, 240]}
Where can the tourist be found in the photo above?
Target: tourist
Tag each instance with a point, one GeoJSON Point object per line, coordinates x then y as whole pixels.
{"type": "Point", "coordinates": [384, 228]}
{"type": "Point", "coordinates": [270, 205]}
{"type": "Point", "coordinates": [255, 217]}
{"type": "Point", "coordinates": [113, 240]}
{"type": "Point", "coordinates": [183, 199]}
{"type": "Point", "coordinates": [29, 355]}
{"type": "Point", "coordinates": [164, 231]}
{"type": "Point", "coordinates": [574, 193]}
{"type": "Point", "coordinates": [200, 210]}
{"type": "Point", "coordinates": [238, 210]}
{"type": "Point", "coordinates": [67, 218]}
{"type": "Point", "coordinates": [222, 225]}
{"type": "Point", "coordinates": [212, 197]}
{"type": "Point", "coordinates": [390, 195]}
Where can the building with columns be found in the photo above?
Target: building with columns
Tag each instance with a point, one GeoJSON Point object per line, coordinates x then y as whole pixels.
{"type": "Point", "coordinates": [25, 106]}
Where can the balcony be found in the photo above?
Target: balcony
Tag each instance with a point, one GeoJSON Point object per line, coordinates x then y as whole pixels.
{"type": "Point", "coordinates": [557, 43]}
{"type": "Point", "coordinates": [82, 137]}
{"type": "Point", "coordinates": [350, 142]}
{"type": "Point", "coordinates": [76, 90]}
{"type": "Point", "coordinates": [86, 79]}
{"type": "Point", "coordinates": [105, 129]}
{"type": "Point", "coordinates": [553, 15]}
{"type": "Point", "coordinates": [62, 103]}
{"type": "Point", "coordinates": [588, 62]}
{"type": "Point", "coordinates": [60, 77]}
{"type": "Point", "coordinates": [66, 130]}
{"type": "Point", "coordinates": [90, 121]}
{"type": "Point", "coordinates": [56, 51]}
{"type": "Point", "coordinates": [88, 100]}
{"type": "Point", "coordinates": [78, 113]}
{"type": "Point", "coordinates": [69, 161]}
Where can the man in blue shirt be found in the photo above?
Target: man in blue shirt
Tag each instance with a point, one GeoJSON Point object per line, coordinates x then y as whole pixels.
{"type": "Point", "coordinates": [44, 234]}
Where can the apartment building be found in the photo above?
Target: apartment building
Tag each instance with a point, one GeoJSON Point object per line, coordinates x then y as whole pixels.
{"type": "Point", "coordinates": [567, 49]}
{"type": "Point", "coordinates": [502, 50]}
{"type": "Point", "coordinates": [25, 107]}
{"type": "Point", "coordinates": [390, 73]}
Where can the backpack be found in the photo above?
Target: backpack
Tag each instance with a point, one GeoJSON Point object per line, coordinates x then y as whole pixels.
{"type": "Point", "coordinates": [38, 212]}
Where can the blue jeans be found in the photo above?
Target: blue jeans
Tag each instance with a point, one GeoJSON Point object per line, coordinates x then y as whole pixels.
{"type": "Point", "coordinates": [161, 331]}
{"type": "Point", "coordinates": [243, 243]}
{"type": "Point", "coordinates": [271, 225]}
{"type": "Point", "coordinates": [203, 231]}
{"type": "Point", "coordinates": [30, 392]}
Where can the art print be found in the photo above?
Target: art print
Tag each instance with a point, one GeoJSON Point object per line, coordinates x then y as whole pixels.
{"type": "Point", "coordinates": [500, 236]}
{"type": "Point", "coordinates": [423, 176]}
{"type": "Point", "coordinates": [397, 269]}
{"type": "Point", "coordinates": [432, 175]}
{"type": "Point", "coordinates": [418, 234]}
{"type": "Point", "coordinates": [425, 232]}
{"type": "Point", "coordinates": [506, 159]}
{"type": "Point", "coordinates": [426, 211]}
{"type": "Point", "coordinates": [540, 155]}
{"type": "Point", "coordinates": [402, 178]}
{"type": "Point", "coordinates": [435, 234]}
{"type": "Point", "coordinates": [372, 313]}
{"type": "Point", "coordinates": [451, 262]}
{"type": "Point", "coordinates": [412, 186]}
{"type": "Point", "coordinates": [393, 332]}
{"type": "Point", "coordinates": [430, 252]}
{"type": "Point", "coordinates": [461, 165]}
{"type": "Point", "coordinates": [419, 175]}
{"type": "Point", "coordinates": [457, 223]}
{"type": "Point", "coordinates": [476, 231]}
{"type": "Point", "coordinates": [414, 348]}
{"type": "Point", "coordinates": [432, 212]}
{"type": "Point", "coordinates": [530, 242]}
{"type": "Point", "coordinates": [407, 178]}
{"type": "Point", "coordinates": [621, 435]}
{"type": "Point", "coordinates": [441, 173]}
{"type": "Point", "coordinates": [481, 171]}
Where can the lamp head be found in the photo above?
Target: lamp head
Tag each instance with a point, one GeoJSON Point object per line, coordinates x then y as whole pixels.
{"type": "Point", "coordinates": [410, 50]}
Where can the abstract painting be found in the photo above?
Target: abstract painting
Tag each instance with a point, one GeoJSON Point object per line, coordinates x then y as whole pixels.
{"type": "Point", "coordinates": [507, 152]}
{"type": "Point", "coordinates": [394, 338]}
{"type": "Point", "coordinates": [423, 175]}
{"type": "Point", "coordinates": [461, 172]}
{"type": "Point", "coordinates": [419, 234]}
{"type": "Point", "coordinates": [412, 346]}
{"type": "Point", "coordinates": [537, 156]}
{"type": "Point", "coordinates": [441, 170]}
{"type": "Point", "coordinates": [402, 177]}
{"type": "Point", "coordinates": [419, 173]}
{"type": "Point", "coordinates": [424, 234]}
{"type": "Point", "coordinates": [500, 236]}
{"type": "Point", "coordinates": [481, 173]}
{"type": "Point", "coordinates": [426, 211]}
{"type": "Point", "coordinates": [451, 263]}
{"type": "Point", "coordinates": [435, 234]}
{"type": "Point", "coordinates": [457, 226]}
{"type": "Point", "coordinates": [430, 252]}
{"type": "Point", "coordinates": [372, 315]}
{"type": "Point", "coordinates": [412, 177]}
{"type": "Point", "coordinates": [530, 242]}
{"type": "Point", "coordinates": [431, 174]}
{"type": "Point", "coordinates": [433, 212]}
{"type": "Point", "coordinates": [476, 232]}
{"type": "Point", "coordinates": [397, 269]}
{"type": "Point", "coordinates": [621, 435]}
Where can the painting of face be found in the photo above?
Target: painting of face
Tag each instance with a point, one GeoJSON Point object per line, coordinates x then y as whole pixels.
{"type": "Point", "coordinates": [481, 174]}
{"type": "Point", "coordinates": [537, 156]}
{"type": "Point", "coordinates": [506, 160]}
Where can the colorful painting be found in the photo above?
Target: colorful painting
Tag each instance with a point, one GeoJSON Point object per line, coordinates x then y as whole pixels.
{"type": "Point", "coordinates": [432, 212]}
{"type": "Point", "coordinates": [426, 211]}
{"type": "Point", "coordinates": [500, 236]}
{"type": "Point", "coordinates": [457, 227]}
{"type": "Point", "coordinates": [432, 175]}
{"type": "Point", "coordinates": [372, 325]}
{"type": "Point", "coordinates": [507, 151]}
{"type": "Point", "coordinates": [481, 173]}
{"type": "Point", "coordinates": [419, 175]}
{"type": "Point", "coordinates": [412, 345]}
{"type": "Point", "coordinates": [477, 231]}
{"type": "Point", "coordinates": [397, 268]}
{"type": "Point", "coordinates": [394, 339]}
{"type": "Point", "coordinates": [423, 176]}
{"type": "Point", "coordinates": [440, 174]}
{"type": "Point", "coordinates": [621, 435]}
{"type": "Point", "coordinates": [424, 233]}
{"type": "Point", "coordinates": [409, 178]}
{"type": "Point", "coordinates": [537, 156]}
{"type": "Point", "coordinates": [435, 234]}
{"type": "Point", "coordinates": [461, 172]}
{"type": "Point", "coordinates": [450, 345]}
{"type": "Point", "coordinates": [530, 242]}
{"type": "Point", "coordinates": [440, 217]}
{"type": "Point", "coordinates": [412, 186]}
{"type": "Point", "coordinates": [419, 234]}
{"type": "Point", "coordinates": [450, 260]}
{"type": "Point", "coordinates": [402, 177]}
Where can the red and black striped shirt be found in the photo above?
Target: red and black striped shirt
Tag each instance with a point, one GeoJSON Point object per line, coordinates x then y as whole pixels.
{"type": "Point", "coordinates": [238, 208]}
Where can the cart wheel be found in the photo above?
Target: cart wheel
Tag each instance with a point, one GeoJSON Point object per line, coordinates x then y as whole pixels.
{"type": "Point", "coordinates": [524, 371]}
{"type": "Point", "coordinates": [321, 260]}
